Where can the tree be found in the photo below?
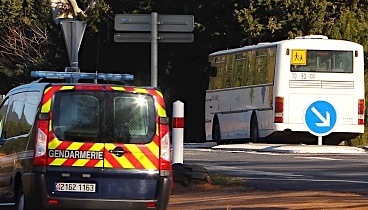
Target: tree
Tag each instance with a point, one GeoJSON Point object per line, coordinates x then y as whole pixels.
{"type": "Point", "coordinates": [266, 20]}
{"type": "Point", "coordinates": [30, 40]}
{"type": "Point", "coordinates": [24, 41]}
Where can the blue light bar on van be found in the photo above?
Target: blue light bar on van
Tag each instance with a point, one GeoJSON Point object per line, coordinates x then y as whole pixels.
{"type": "Point", "coordinates": [82, 75]}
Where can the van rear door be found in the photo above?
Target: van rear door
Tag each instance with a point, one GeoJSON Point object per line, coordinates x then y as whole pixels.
{"type": "Point", "coordinates": [132, 150]}
{"type": "Point", "coordinates": [75, 150]}
{"type": "Point", "coordinates": [103, 143]}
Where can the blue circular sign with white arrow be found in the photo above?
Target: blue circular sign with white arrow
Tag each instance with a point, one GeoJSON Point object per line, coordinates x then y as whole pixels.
{"type": "Point", "coordinates": [320, 118]}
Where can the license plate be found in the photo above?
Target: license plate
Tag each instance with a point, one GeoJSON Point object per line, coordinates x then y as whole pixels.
{"type": "Point", "coordinates": [75, 187]}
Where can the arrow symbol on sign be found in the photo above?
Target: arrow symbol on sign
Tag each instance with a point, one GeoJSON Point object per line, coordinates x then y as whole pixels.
{"type": "Point", "coordinates": [325, 121]}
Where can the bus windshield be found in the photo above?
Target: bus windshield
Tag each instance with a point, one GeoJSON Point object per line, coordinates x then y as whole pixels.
{"type": "Point", "coordinates": [325, 61]}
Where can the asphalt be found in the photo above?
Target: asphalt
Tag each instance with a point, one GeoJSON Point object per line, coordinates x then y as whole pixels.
{"type": "Point", "coordinates": [280, 148]}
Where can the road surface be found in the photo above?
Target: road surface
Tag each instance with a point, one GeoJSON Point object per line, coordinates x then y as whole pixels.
{"type": "Point", "coordinates": [277, 181]}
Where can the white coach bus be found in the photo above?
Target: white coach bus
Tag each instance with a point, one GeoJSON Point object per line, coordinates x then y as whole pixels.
{"type": "Point", "coordinates": [278, 92]}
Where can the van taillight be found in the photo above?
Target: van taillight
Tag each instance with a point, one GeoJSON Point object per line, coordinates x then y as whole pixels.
{"type": "Point", "coordinates": [41, 141]}
{"type": "Point", "coordinates": [279, 109]}
{"type": "Point", "coordinates": [165, 156]}
{"type": "Point", "coordinates": [361, 112]}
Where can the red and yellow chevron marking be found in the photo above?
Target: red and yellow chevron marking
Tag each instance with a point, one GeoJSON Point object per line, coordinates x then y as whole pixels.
{"type": "Point", "coordinates": [62, 146]}
{"type": "Point", "coordinates": [137, 156]}
{"type": "Point", "coordinates": [47, 96]}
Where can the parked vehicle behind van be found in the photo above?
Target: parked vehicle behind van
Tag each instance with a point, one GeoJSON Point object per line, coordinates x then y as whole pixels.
{"type": "Point", "coordinates": [74, 145]}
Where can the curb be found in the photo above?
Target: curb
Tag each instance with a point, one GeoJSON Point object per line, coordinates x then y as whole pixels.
{"type": "Point", "coordinates": [188, 173]}
{"type": "Point", "coordinates": [293, 149]}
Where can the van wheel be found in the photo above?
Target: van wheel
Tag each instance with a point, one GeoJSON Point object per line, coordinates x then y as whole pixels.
{"type": "Point", "coordinates": [254, 135]}
{"type": "Point", "coordinates": [19, 205]}
{"type": "Point", "coordinates": [216, 132]}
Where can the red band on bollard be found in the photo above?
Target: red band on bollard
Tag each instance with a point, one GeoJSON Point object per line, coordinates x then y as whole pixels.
{"type": "Point", "coordinates": [178, 122]}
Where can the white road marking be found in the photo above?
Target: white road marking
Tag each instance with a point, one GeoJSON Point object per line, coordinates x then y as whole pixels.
{"type": "Point", "coordinates": [251, 172]}
{"type": "Point", "coordinates": [309, 180]}
{"type": "Point", "coordinates": [318, 158]}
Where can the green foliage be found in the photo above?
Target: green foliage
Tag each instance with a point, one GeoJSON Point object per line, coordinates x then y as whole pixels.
{"type": "Point", "coordinates": [223, 180]}
{"type": "Point", "coordinates": [30, 40]}
{"type": "Point", "coordinates": [98, 15]}
{"type": "Point", "coordinates": [25, 40]}
{"type": "Point", "coordinates": [266, 20]}
{"type": "Point", "coordinates": [10, 11]}
{"type": "Point", "coordinates": [360, 140]}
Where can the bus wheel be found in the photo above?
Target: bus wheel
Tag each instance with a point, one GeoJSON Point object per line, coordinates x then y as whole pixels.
{"type": "Point", "coordinates": [216, 132]}
{"type": "Point", "coordinates": [254, 135]}
{"type": "Point", "coordinates": [19, 205]}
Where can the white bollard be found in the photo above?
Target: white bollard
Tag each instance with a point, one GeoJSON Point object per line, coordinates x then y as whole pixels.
{"type": "Point", "coordinates": [178, 132]}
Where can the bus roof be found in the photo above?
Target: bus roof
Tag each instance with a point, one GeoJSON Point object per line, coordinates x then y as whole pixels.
{"type": "Point", "coordinates": [273, 44]}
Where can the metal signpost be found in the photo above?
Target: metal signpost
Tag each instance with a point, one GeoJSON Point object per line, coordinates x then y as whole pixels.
{"type": "Point", "coordinates": [320, 118]}
{"type": "Point", "coordinates": [154, 23]}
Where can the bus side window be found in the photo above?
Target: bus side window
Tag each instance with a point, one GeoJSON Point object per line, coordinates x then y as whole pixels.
{"type": "Point", "coordinates": [229, 71]}
{"type": "Point", "coordinates": [239, 69]}
{"type": "Point", "coordinates": [261, 66]}
{"type": "Point", "coordinates": [216, 82]}
{"type": "Point", "coordinates": [213, 71]}
{"type": "Point", "coordinates": [271, 62]}
{"type": "Point", "coordinates": [251, 68]}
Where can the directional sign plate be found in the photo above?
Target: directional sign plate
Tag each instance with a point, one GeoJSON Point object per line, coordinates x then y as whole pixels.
{"type": "Point", "coordinates": [142, 22]}
{"type": "Point", "coordinates": [320, 118]}
{"type": "Point", "coordinates": [161, 37]}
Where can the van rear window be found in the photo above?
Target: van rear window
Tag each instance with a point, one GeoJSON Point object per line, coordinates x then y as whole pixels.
{"type": "Point", "coordinates": [91, 116]}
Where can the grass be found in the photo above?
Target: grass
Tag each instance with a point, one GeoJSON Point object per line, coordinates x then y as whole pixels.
{"type": "Point", "coordinates": [214, 181]}
{"type": "Point", "coordinates": [361, 140]}
{"type": "Point", "coordinates": [223, 180]}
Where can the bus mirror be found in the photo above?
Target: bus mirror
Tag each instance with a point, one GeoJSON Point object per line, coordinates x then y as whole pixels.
{"type": "Point", "coordinates": [213, 71]}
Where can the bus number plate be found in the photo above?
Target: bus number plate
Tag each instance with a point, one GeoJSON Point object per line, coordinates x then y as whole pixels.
{"type": "Point", "coordinates": [75, 187]}
{"type": "Point", "coordinates": [303, 76]}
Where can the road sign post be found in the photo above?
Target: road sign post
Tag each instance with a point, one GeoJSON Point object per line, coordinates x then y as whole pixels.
{"type": "Point", "coordinates": [320, 118]}
{"type": "Point", "coordinates": [154, 48]}
{"type": "Point", "coordinates": [154, 23]}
